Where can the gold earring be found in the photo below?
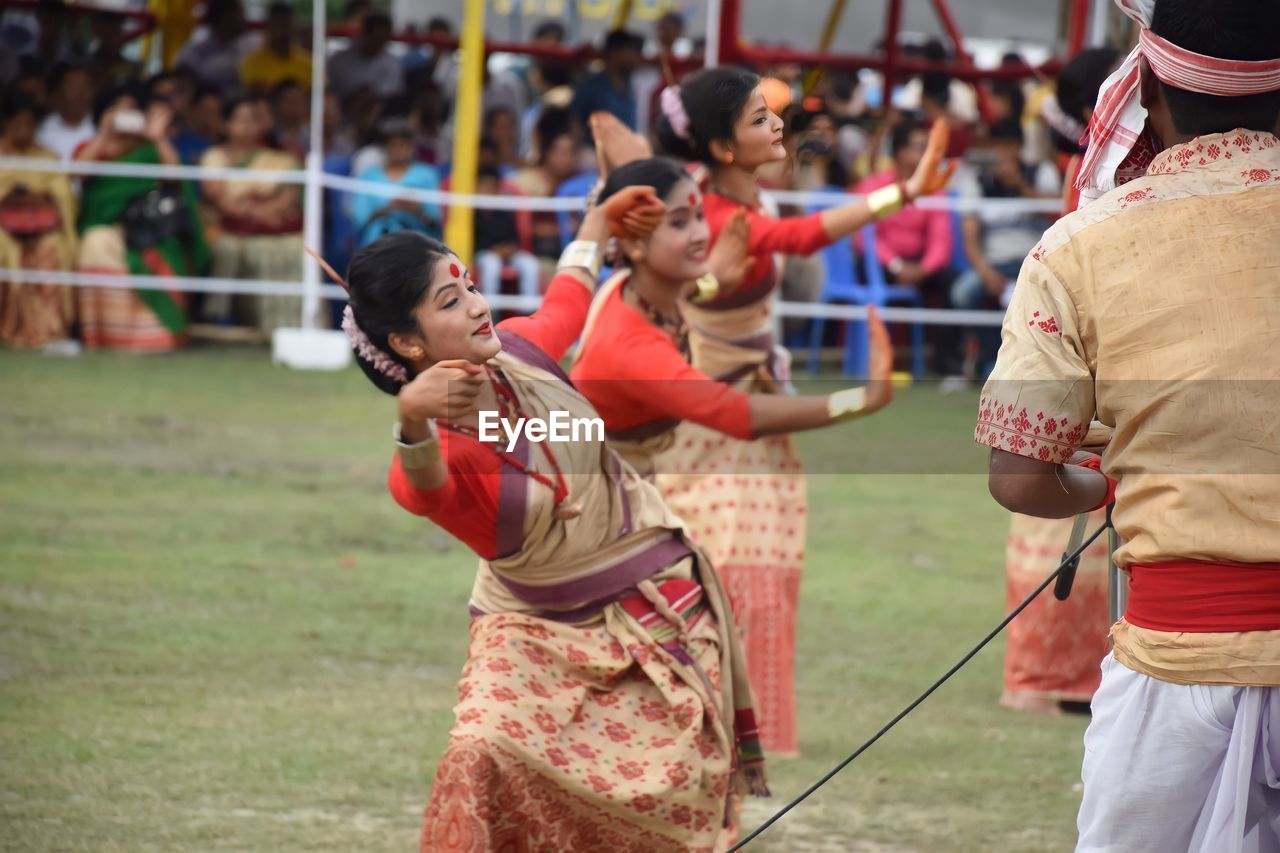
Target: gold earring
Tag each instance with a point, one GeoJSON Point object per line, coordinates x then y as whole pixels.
{"type": "Point", "coordinates": [417, 353]}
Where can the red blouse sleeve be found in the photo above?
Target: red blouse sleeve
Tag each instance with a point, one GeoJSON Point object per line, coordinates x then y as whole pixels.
{"type": "Point", "coordinates": [651, 371]}
{"type": "Point", "coordinates": [792, 235]}
{"type": "Point", "coordinates": [466, 506]}
{"type": "Point", "coordinates": [558, 322]}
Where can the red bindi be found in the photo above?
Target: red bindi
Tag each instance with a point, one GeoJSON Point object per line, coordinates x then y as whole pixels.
{"type": "Point", "coordinates": [455, 271]}
{"type": "Point", "coordinates": [693, 199]}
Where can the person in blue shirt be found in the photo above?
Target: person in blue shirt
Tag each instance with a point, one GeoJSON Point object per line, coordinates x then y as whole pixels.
{"type": "Point", "coordinates": [610, 90]}
{"type": "Point", "coordinates": [375, 215]}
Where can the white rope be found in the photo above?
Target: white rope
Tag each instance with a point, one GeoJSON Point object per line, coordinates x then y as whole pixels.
{"type": "Point", "coordinates": [150, 170]}
{"type": "Point", "coordinates": [185, 284]}
{"type": "Point", "coordinates": [573, 204]}
{"type": "Point", "coordinates": [500, 301]}
{"type": "Point", "coordinates": [481, 202]}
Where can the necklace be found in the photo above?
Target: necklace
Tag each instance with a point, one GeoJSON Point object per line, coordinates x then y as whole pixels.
{"type": "Point", "coordinates": [720, 191]}
{"type": "Point", "coordinates": [676, 328]}
{"type": "Point", "coordinates": [508, 403]}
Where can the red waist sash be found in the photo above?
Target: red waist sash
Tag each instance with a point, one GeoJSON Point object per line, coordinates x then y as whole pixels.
{"type": "Point", "coordinates": [1202, 597]}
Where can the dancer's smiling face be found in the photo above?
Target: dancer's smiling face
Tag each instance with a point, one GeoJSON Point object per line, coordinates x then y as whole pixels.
{"type": "Point", "coordinates": [677, 249]}
{"type": "Point", "coordinates": [453, 319]}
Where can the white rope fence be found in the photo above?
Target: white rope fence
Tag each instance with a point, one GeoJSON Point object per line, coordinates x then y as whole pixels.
{"type": "Point", "coordinates": [534, 204]}
{"type": "Point", "coordinates": [505, 302]}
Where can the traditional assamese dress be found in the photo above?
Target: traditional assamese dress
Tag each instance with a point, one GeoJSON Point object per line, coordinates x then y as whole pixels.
{"type": "Point", "coordinates": [745, 500]}
{"type": "Point", "coordinates": [37, 235]}
{"type": "Point", "coordinates": [1156, 307]}
{"type": "Point", "coordinates": [256, 250]}
{"type": "Point", "coordinates": [643, 386]}
{"type": "Point", "coordinates": [143, 320]}
{"type": "Point", "coordinates": [1052, 651]}
{"type": "Point", "coordinates": [604, 702]}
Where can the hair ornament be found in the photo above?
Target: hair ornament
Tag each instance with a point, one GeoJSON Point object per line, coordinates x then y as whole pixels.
{"type": "Point", "coordinates": [673, 108]}
{"type": "Point", "coordinates": [366, 349]}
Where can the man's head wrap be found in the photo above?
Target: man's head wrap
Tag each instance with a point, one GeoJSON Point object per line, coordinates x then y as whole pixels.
{"type": "Point", "coordinates": [1117, 151]}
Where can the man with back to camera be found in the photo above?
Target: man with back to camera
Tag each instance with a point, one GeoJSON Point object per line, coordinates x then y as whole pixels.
{"type": "Point", "coordinates": [1156, 307]}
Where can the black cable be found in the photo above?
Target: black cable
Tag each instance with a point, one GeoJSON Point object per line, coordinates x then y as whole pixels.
{"type": "Point", "coordinates": [925, 695]}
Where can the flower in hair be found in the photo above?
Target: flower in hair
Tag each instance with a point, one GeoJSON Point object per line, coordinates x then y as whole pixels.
{"type": "Point", "coordinates": [366, 349]}
{"type": "Point", "coordinates": [673, 108]}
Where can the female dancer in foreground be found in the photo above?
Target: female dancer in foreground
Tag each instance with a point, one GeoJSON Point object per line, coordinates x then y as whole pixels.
{"type": "Point", "coordinates": [718, 118]}
{"type": "Point", "coordinates": [604, 703]}
{"type": "Point", "coordinates": [632, 362]}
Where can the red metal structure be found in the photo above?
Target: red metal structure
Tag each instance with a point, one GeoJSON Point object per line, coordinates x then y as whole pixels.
{"type": "Point", "coordinates": [733, 49]}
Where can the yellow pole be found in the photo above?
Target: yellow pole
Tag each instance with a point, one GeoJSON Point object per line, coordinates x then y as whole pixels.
{"type": "Point", "coordinates": [460, 232]}
{"type": "Point", "coordinates": [828, 34]}
{"type": "Point", "coordinates": [620, 17]}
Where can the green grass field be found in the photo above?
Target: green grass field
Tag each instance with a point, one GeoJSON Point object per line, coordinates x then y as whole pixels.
{"type": "Point", "coordinates": [218, 632]}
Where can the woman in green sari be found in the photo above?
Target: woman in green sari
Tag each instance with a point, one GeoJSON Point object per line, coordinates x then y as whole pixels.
{"type": "Point", "coordinates": [135, 226]}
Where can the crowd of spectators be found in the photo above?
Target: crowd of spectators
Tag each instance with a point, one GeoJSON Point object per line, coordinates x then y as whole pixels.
{"type": "Point", "coordinates": [239, 96]}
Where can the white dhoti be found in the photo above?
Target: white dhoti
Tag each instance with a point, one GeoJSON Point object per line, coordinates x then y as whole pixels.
{"type": "Point", "coordinates": [1172, 767]}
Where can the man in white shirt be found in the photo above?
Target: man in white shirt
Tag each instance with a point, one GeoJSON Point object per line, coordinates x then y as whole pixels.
{"type": "Point", "coordinates": [71, 122]}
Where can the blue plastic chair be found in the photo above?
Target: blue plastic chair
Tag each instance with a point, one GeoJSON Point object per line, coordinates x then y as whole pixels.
{"type": "Point", "coordinates": [841, 285]}
{"type": "Point", "coordinates": [575, 187]}
{"type": "Point", "coordinates": [844, 284]}
{"type": "Point", "coordinates": [959, 260]}
{"type": "Point", "coordinates": [882, 293]}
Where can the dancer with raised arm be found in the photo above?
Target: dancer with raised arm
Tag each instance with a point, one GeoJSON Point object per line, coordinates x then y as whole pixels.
{"type": "Point", "coordinates": [718, 118]}
{"type": "Point", "coordinates": [632, 362]}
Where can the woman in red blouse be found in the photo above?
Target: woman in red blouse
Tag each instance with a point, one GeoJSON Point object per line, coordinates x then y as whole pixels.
{"type": "Point", "coordinates": [719, 119]}
{"type": "Point", "coordinates": [604, 702]}
{"type": "Point", "coordinates": [632, 362]}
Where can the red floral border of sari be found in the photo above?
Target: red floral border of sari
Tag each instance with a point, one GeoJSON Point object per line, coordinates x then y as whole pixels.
{"type": "Point", "coordinates": [477, 805]}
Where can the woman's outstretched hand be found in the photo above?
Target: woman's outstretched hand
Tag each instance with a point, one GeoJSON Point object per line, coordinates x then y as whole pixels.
{"type": "Point", "coordinates": [880, 375]}
{"type": "Point", "coordinates": [931, 175]}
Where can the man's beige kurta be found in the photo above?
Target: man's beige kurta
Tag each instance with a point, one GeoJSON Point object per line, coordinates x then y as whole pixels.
{"type": "Point", "coordinates": [1157, 307]}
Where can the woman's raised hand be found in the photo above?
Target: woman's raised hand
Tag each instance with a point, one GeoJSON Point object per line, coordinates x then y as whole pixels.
{"type": "Point", "coordinates": [633, 212]}
{"type": "Point", "coordinates": [931, 175]}
{"type": "Point", "coordinates": [729, 260]}
{"type": "Point", "coordinates": [159, 117]}
{"type": "Point", "coordinates": [616, 144]}
{"type": "Point", "coordinates": [448, 389]}
{"type": "Point", "coordinates": [880, 374]}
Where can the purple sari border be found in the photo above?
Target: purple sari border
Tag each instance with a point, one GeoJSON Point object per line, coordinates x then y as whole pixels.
{"type": "Point", "coordinates": [603, 583]}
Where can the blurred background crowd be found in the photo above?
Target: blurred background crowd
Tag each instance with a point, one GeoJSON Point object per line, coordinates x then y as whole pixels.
{"type": "Point", "coordinates": [239, 96]}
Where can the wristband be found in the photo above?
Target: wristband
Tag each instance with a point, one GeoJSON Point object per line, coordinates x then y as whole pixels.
{"type": "Point", "coordinates": [424, 454]}
{"type": "Point", "coordinates": [847, 404]}
{"type": "Point", "coordinates": [1095, 464]}
{"type": "Point", "coordinates": [886, 200]}
{"type": "Point", "coordinates": [708, 289]}
{"type": "Point", "coordinates": [581, 254]}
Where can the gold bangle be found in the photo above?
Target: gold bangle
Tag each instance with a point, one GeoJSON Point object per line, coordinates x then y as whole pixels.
{"type": "Point", "coordinates": [847, 404]}
{"type": "Point", "coordinates": [708, 289]}
{"type": "Point", "coordinates": [424, 454]}
{"type": "Point", "coordinates": [581, 254]}
{"type": "Point", "coordinates": [886, 201]}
